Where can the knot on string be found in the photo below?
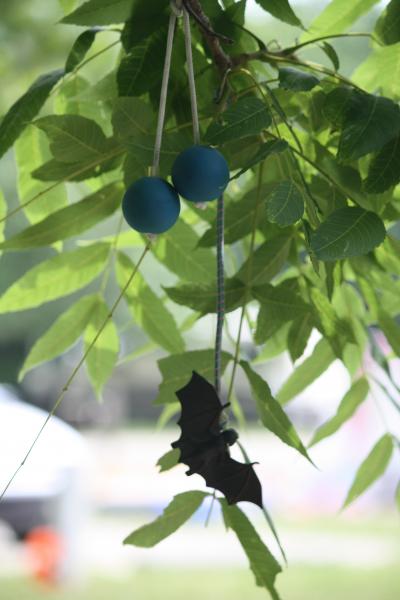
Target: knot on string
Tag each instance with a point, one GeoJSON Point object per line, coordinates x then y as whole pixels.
{"type": "Point", "coordinates": [177, 7]}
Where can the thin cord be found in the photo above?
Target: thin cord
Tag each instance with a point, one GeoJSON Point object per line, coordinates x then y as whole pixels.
{"type": "Point", "coordinates": [192, 83]}
{"type": "Point", "coordinates": [220, 292]}
{"type": "Point", "coordinates": [163, 94]}
{"type": "Point", "coordinates": [76, 369]}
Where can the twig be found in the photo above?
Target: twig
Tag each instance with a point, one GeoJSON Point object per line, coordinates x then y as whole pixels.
{"type": "Point", "coordinates": [221, 59]}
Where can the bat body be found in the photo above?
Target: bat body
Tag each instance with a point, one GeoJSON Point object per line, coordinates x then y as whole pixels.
{"type": "Point", "coordinates": [204, 444]}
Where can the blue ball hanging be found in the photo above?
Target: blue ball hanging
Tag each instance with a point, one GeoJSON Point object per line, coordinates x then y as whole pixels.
{"type": "Point", "coordinates": [200, 174]}
{"type": "Point", "coordinates": [151, 205]}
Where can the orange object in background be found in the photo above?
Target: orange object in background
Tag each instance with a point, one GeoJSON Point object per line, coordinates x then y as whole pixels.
{"type": "Point", "coordinates": [45, 554]}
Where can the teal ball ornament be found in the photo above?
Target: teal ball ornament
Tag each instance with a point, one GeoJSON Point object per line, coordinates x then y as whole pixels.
{"type": "Point", "coordinates": [151, 205]}
{"type": "Point", "coordinates": [200, 174]}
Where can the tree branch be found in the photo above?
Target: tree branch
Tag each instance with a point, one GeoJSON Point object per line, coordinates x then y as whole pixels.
{"type": "Point", "coordinates": [221, 59]}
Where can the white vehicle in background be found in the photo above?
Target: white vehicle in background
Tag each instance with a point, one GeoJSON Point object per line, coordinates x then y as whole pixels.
{"type": "Point", "coordinates": [46, 503]}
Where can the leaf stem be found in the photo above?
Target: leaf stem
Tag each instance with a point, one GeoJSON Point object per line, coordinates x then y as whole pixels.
{"type": "Point", "coordinates": [77, 368]}
{"type": "Point", "coordinates": [272, 58]}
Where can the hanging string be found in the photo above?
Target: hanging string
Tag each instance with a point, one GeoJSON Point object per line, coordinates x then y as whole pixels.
{"type": "Point", "coordinates": [192, 83]}
{"type": "Point", "coordinates": [220, 293]}
{"type": "Point", "coordinates": [164, 91]}
{"type": "Point", "coordinates": [220, 207]}
{"type": "Point", "coordinates": [178, 9]}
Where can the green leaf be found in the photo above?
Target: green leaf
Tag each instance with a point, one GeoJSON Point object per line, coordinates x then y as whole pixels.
{"type": "Point", "coordinates": [344, 178]}
{"type": "Point", "coordinates": [182, 507]}
{"type": "Point", "coordinates": [340, 102]}
{"type": "Point", "coordinates": [169, 460]}
{"type": "Point", "coordinates": [336, 330]}
{"type": "Point", "coordinates": [30, 152]}
{"type": "Point", "coordinates": [149, 311]}
{"type": "Point", "coordinates": [100, 12]}
{"type": "Point", "coordinates": [152, 16]}
{"type": "Point", "coordinates": [131, 117]}
{"type": "Point", "coordinates": [279, 305]}
{"type": "Point", "coordinates": [299, 334]}
{"type": "Point", "coordinates": [376, 72]}
{"type": "Point", "coordinates": [74, 138]}
{"type": "Point", "coordinates": [248, 116]}
{"type": "Point", "coordinates": [369, 123]}
{"type": "Point", "coordinates": [102, 358]}
{"type": "Point", "coordinates": [337, 17]}
{"type": "Point", "coordinates": [141, 150]}
{"type": "Point", "coordinates": [384, 170]}
{"type": "Point", "coordinates": [390, 329]}
{"type": "Point", "coordinates": [177, 370]}
{"type": "Point", "coordinates": [280, 9]}
{"type": "Point", "coordinates": [70, 98]}
{"type": "Point", "coordinates": [54, 170]}
{"type": "Point", "coordinates": [177, 250]}
{"type": "Point", "coordinates": [331, 54]}
{"type": "Point", "coordinates": [348, 406]}
{"type": "Point", "coordinates": [203, 297]}
{"type": "Point", "coordinates": [69, 221]}
{"type": "Point", "coordinates": [265, 150]}
{"type": "Point", "coordinates": [309, 370]}
{"type": "Point", "coordinates": [328, 197]}
{"type": "Point", "coordinates": [388, 26]}
{"type": "Point", "coordinates": [272, 415]}
{"type": "Point", "coordinates": [26, 108]}
{"type": "Point", "coordinates": [285, 205]}
{"type": "Point", "coordinates": [263, 564]}
{"type": "Point", "coordinates": [266, 261]}
{"type": "Point", "coordinates": [296, 80]}
{"type": "Point", "coordinates": [61, 335]}
{"type": "Point", "coordinates": [240, 217]}
{"type": "Point", "coordinates": [371, 468]}
{"type": "Point", "coordinates": [67, 5]}
{"type": "Point", "coordinates": [141, 69]}
{"type": "Point", "coordinates": [275, 345]}
{"type": "Point", "coordinates": [350, 231]}
{"type": "Point", "coordinates": [80, 48]}
{"type": "Point", "coordinates": [267, 326]}
{"type": "Point", "coordinates": [55, 277]}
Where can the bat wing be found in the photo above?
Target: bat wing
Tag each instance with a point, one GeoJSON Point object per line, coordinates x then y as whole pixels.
{"type": "Point", "coordinates": [201, 410]}
{"type": "Point", "coordinates": [237, 481]}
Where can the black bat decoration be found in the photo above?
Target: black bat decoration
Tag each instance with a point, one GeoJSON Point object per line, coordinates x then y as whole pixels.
{"type": "Point", "coordinates": [204, 444]}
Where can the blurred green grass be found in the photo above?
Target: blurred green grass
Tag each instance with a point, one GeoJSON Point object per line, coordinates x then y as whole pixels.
{"type": "Point", "coordinates": [296, 583]}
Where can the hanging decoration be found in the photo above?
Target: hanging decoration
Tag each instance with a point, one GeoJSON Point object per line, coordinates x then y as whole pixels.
{"type": "Point", "coordinates": [151, 205]}
{"type": "Point", "coordinates": [204, 444]}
